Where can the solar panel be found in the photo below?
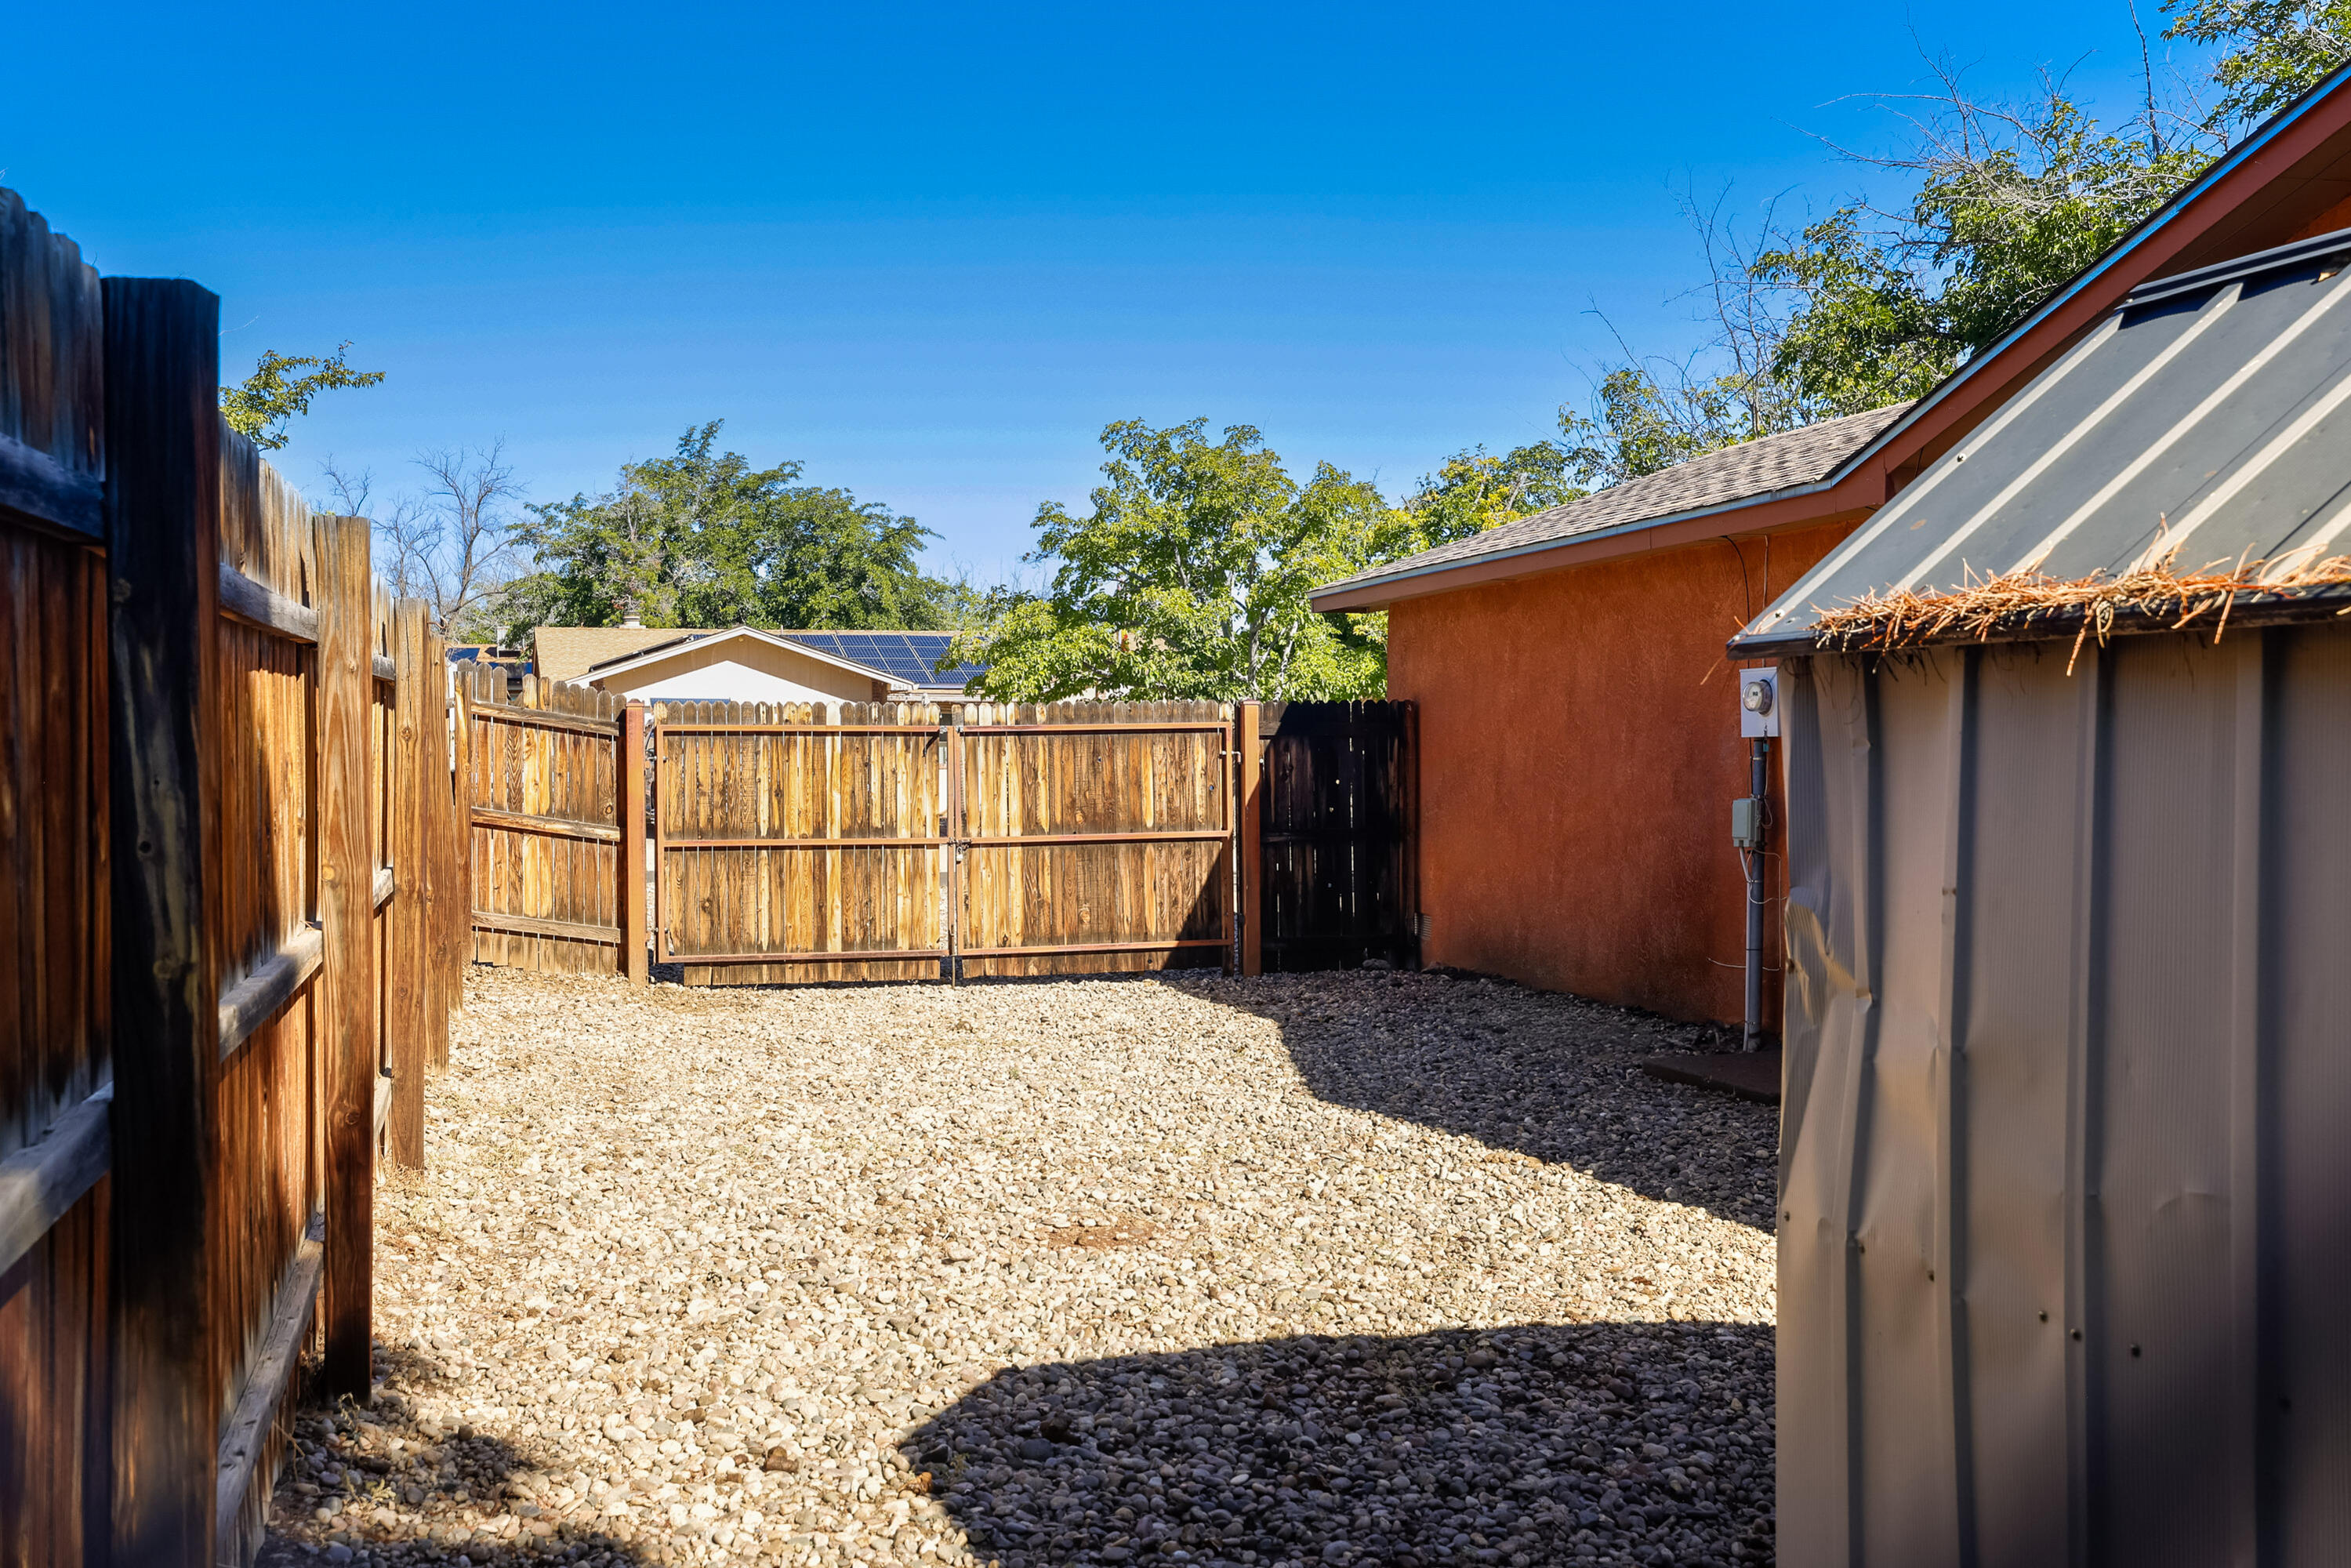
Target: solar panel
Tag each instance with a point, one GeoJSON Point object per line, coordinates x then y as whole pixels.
{"type": "Point", "coordinates": [906, 657]}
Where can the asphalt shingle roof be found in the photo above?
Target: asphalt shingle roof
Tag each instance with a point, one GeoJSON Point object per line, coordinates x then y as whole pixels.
{"type": "Point", "coordinates": [1739, 473]}
{"type": "Point", "coordinates": [566, 652]}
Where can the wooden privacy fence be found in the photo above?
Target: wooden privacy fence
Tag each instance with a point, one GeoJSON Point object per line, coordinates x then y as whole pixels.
{"type": "Point", "coordinates": [895, 841]}
{"type": "Point", "coordinates": [1330, 869]}
{"type": "Point", "coordinates": [1093, 837]}
{"type": "Point", "coordinates": [815, 842]}
{"type": "Point", "coordinates": [555, 836]}
{"type": "Point", "coordinates": [228, 866]}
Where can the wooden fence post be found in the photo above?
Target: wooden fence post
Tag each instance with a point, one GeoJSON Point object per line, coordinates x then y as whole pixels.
{"type": "Point", "coordinates": [439, 829]}
{"type": "Point", "coordinates": [630, 795]}
{"type": "Point", "coordinates": [457, 848]}
{"type": "Point", "coordinates": [162, 525]}
{"type": "Point", "coordinates": [1252, 836]}
{"type": "Point", "coordinates": [409, 1015]}
{"type": "Point", "coordinates": [347, 911]}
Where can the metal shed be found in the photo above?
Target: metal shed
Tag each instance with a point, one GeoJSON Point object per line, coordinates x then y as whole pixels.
{"type": "Point", "coordinates": [2066, 1169]}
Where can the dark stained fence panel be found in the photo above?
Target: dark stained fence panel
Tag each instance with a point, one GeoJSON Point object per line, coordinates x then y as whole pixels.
{"type": "Point", "coordinates": [1335, 823]}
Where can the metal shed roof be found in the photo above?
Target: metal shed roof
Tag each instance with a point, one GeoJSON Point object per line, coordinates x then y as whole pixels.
{"type": "Point", "coordinates": [2211, 411]}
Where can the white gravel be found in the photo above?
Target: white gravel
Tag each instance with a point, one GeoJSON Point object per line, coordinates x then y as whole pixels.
{"type": "Point", "coordinates": [1357, 1268]}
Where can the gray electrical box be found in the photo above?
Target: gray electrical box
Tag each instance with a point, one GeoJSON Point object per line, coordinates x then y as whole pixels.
{"type": "Point", "coordinates": [1747, 822]}
{"type": "Point", "coordinates": [1758, 702]}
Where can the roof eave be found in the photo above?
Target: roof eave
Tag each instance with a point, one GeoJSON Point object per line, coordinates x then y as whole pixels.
{"type": "Point", "coordinates": [1443, 577]}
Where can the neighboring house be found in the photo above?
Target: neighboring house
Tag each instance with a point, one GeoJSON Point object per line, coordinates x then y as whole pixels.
{"type": "Point", "coordinates": [515, 661]}
{"type": "Point", "coordinates": [743, 663]}
{"type": "Point", "coordinates": [1579, 740]}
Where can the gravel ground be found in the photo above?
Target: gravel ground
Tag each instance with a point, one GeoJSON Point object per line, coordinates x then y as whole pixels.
{"type": "Point", "coordinates": [1344, 1268]}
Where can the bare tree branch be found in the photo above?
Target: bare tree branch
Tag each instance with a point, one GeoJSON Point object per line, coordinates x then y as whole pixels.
{"type": "Point", "coordinates": [469, 555]}
{"type": "Point", "coordinates": [451, 547]}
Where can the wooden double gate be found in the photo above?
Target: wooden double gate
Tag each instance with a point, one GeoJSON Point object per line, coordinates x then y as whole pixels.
{"type": "Point", "coordinates": [886, 840]}
{"type": "Point", "coordinates": [800, 843]}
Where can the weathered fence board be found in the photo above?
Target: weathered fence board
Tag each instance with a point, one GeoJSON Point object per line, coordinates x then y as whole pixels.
{"type": "Point", "coordinates": [189, 873]}
{"type": "Point", "coordinates": [346, 1014]}
{"type": "Point", "coordinates": [546, 778]}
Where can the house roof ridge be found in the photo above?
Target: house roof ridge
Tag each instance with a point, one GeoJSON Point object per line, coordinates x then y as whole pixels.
{"type": "Point", "coordinates": [1743, 471]}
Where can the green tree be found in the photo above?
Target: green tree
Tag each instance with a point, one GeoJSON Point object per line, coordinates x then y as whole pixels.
{"type": "Point", "coordinates": [702, 538]}
{"type": "Point", "coordinates": [1647, 414]}
{"type": "Point", "coordinates": [1477, 489]}
{"type": "Point", "coordinates": [281, 386]}
{"type": "Point", "coordinates": [1189, 578]}
{"type": "Point", "coordinates": [2272, 50]}
{"type": "Point", "coordinates": [2010, 205]}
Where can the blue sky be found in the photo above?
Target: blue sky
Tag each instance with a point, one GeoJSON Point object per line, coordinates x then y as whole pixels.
{"type": "Point", "coordinates": [930, 251]}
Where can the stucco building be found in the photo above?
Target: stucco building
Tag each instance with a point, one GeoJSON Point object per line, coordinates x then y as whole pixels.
{"type": "Point", "coordinates": [1579, 737]}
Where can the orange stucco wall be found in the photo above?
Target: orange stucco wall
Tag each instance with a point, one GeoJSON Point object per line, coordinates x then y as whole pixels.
{"type": "Point", "coordinates": [1578, 752]}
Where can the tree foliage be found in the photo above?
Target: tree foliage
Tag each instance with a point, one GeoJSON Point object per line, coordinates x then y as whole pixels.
{"type": "Point", "coordinates": [702, 538]}
{"type": "Point", "coordinates": [1188, 579]}
{"type": "Point", "coordinates": [2272, 50]}
{"type": "Point", "coordinates": [281, 386]}
{"type": "Point", "coordinates": [2010, 204]}
{"type": "Point", "coordinates": [1476, 490]}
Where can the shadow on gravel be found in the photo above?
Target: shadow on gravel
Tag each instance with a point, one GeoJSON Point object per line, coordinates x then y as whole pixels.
{"type": "Point", "coordinates": [1552, 1077]}
{"type": "Point", "coordinates": [369, 1460]}
{"type": "Point", "coordinates": [1538, 1445]}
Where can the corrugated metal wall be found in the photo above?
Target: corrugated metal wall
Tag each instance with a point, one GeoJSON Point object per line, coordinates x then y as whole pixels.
{"type": "Point", "coordinates": [2065, 1169]}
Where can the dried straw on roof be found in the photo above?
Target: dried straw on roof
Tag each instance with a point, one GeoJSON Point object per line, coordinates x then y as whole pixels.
{"type": "Point", "coordinates": [2153, 592]}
